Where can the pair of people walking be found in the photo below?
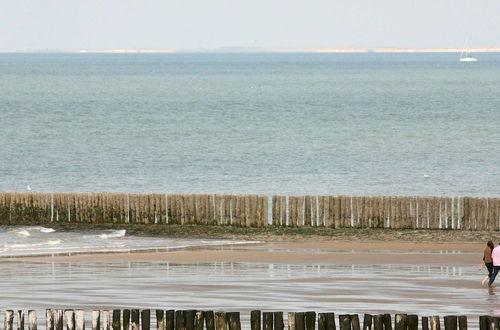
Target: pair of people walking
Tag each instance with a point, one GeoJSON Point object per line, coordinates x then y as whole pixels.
{"type": "Point", "coordinates": [491, 260]}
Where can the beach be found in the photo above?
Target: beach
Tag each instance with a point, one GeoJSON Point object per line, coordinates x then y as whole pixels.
{"type": "Point", "coordinates": [339, 275]}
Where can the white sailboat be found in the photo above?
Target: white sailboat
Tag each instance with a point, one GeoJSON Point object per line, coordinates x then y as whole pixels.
{"type": "Point", "coordinates": [465, 55]}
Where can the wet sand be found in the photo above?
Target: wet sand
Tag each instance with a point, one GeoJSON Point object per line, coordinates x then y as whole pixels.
{"type": "Point", "coordinates": [339, 252]}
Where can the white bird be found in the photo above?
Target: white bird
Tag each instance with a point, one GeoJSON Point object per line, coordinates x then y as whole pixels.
{"type": "Point", "coordinates": [427, 176]}
{"type": "Point", "coordinates": [28, 188]}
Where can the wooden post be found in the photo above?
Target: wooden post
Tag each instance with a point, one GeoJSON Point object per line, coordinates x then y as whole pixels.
{"type": "Point", "coordinates": [310, 318]}
{"type": "Point", "coordinates": [412, 322]}
{"type": "Point", "coordinates": [425, 319]}
{"type": "Point", "coordinates": [462, 322]}
{"type": "Point", "coordinates": [49, 319]}
{"type": "Point", "coordinates": [307, 211]}
{"type": "Point", "coordinates": [321, 321]}
{"type": "Point", "coordinates": [300, 211]}
{"type": "Point", "coordinates": [233, 319]}
{"type": "Point", "coordinates": [434, 322]}
{"type": "Point", "coordinates": [58, 319]}
{"type": "Point", "coordinates": [169, 319]}
{"type": "Point", "coordinates": [32, 320]}
{"type": "Point", "coordinates": [378, 322]}
{"type": "Point", "coordinates": [255, 320]}
{"type": "Point", "coordinates": [495, 323]}
{"type": "Point", "coordinates": [345, 322]}
{"type": "Point", "coordinates": [145, 319]}
{"type": "Point", "coordinates": [484, 322]}
{"type": "Point", "coordinates": [209, 320]}
{"type": "Point", "coordinates": [267, 319]}
{"type": "Point", "coordinates": [278, 321]}
{"type": "Point", "coordinates": [126, 319]}
{"type": "Point", "coordinates": [198, 320]}
{"type": "Point", "coordinates": [291, 321]}
{"type": "Point", "coordinates": [180, 320]}
{"type": "Point", "coordinates": [387, 322]}
{"type": "Point", "coordinates": [275, 201]}
{"type": "Point", "coordinates": [9, 320]}
{"type": "Point", "coordinates": [116, 325]}
{"type": "Point", "coordinates": [189, 319]}
{"type": "Point", "coordinates": [160, 319]}
{"type": "Point", "coordinates": [96, 321]}
{"type": "Point", "coordinates": [450, 322]}
{"type": "Point", "coordinates": [134, 319]}
{"type": "Point", "coordinates": [330, 321]}
{"type": "Point", "coordinates": [80, 319]}
{"type": "Point", "coordinates": [105, 320]}
{"type": "Point", "coordinates": [355, 322]}
{"type": "Point", "coordinates": [20, 320]}
{"type": "Point", "coordinates": [220, 321]}
{"type": "Point", "coordinates": [367, 322]}
{"type": "Point", "coordinates": [300, 321]}
{"type": "Point", "coordinates": [69, 314]}
{"type": "Point", "coordinates": [400, 322]}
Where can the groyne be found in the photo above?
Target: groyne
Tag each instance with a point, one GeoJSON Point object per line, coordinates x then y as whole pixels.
{"type": "Point", "coordinates": [135, 319]}
{"type": "Point", "coordinates": [463, 213]}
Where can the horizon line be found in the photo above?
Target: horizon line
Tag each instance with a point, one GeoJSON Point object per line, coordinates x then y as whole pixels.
{"type": "Point", "coordinates": [259, 50]}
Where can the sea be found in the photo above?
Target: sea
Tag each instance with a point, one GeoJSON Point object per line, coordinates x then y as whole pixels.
{"type": "Point", "coordinates": [267, 123]}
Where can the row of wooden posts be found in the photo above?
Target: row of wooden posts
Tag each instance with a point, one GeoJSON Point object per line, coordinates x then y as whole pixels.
{"type": "Point", "coordinates": [135, 319]}
{"type": "Point", "coordinates": [466, 213]}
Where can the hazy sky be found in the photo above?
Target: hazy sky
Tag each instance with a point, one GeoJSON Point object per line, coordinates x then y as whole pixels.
{"type": "Point", "coordinates": [105, 24]}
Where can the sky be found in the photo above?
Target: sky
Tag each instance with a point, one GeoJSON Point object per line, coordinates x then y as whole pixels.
{"type": "Point", "coordinates": [164, 24]}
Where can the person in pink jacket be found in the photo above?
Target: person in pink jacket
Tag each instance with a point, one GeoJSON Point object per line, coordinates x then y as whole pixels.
{"type": "Point", "coordinates": [495, 256]}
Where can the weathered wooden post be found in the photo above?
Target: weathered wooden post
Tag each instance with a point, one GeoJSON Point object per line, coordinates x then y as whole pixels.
{"type": "Point", "coordinates": [20, 320]}
{"type": "Point", "coordinates": [400, 322]}
{"type": "Point", "coordinates": [462, 322]}
{"type": "Point", "coordinates": [367, 322]}
{"type": "Point", "coordinates": [233, 319]}
{"type": "Point", "coordinates": [145, 319]}
{"type": "Point", "coordinates": [267, 319]}
{"type": "Point", "coordinates": [278, 321]}
{"type": "Point", "coordinates": [495, 323]}
{"type": "Point", "coordinates": [70, 319]}
{"type": "Point", "coordinates": [450, 322]}
{"type": "Point", "coordinates": [58, 319]}
{"type": "Point", "coordinates": [209, 320]}
{"type": "Point", "coordinates": [105, 319]}
{"type": "Point", "coordinates": [134, 319]}
{"type": "Point", "coordinates": [345, 322]}
{"type": "Point", "coordinates": [355, 322]}
{"type": "Point", "coordinates": [169, 319]}
{"type": "Point", "coordinates": [220, 321]}
{"type": "Point", "coordinates": [180, 320]}
{"type": "Point", "coordinates": [189, 319]}
{"type": "Point", "coordinates": [412, 322]}
{"type": "Point", "coordinates": [198, 320]}
{"type": "Point", "coordinates": [32, 320]}
{"type": "Point", "coordinates": [116, 325]}
{"type": "Point", "coordinates": [310, 318]}
{"type": "Point", "coordinates": [387, 322]}
{"type": "Point", "coordinates": [425, 323]}
{"type": "Point", "coordinates": [49, 319]}
{"type": "Point", "coordinates": [378, 322]}
{"type": "Point", "coordinates": [484, 322]}
{"type": "Point", "coordinates": [80, 319]}
{"type": "Point", "coordinates": [255, 320]}
{"type": "Point", "coordinates": [330, 321]}
{"type": "Point", "coordinates": [96, 320]}
{"type": "Point", "coordinates": [126, 319]}
{"type": "Point", "coordinates": [300, 321]}
{"type": "Point", "coordinates": [9, 319]}
{"type": "Point", "coordinates": [321, 321]}
{"type": "Point", "coordinates": [160, 319]}
{"type": "Point", "coordinates": [434, 322]}
{"type": "Point", "coordinates": [291, 321]}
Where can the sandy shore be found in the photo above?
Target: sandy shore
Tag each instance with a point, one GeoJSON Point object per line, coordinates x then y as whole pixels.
{"type": "Point", "coordinates": [319, 252]}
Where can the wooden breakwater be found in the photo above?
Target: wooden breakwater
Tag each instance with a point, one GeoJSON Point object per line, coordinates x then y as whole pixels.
{"type": "Point", "coordinates": [465, 213]}
{"type": "Point", "coordinates": [135, 319]}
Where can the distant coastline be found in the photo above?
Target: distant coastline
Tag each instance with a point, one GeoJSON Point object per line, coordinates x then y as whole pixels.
{"type": "Point", "coordinates": [259, 50]}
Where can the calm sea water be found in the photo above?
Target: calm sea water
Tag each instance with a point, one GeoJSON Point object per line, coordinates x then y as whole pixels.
{"type": "Point", "coordinates": [395, 124]}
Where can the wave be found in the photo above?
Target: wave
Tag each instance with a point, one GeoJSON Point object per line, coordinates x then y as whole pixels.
{"type": "Point", "coordinates": [46, 243]}
{"type": "Point", "coordinates": [21, 232]}
{"type": "Point", "coordinates": [113, 234]}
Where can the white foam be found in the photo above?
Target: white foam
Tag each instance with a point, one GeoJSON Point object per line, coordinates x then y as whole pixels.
{"type": "Point", "coordinates": [49, 243]}
{"type": "Point", "coordinates": [114, 234]}
{"type": "Point", "coordinates": [22, 232]}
